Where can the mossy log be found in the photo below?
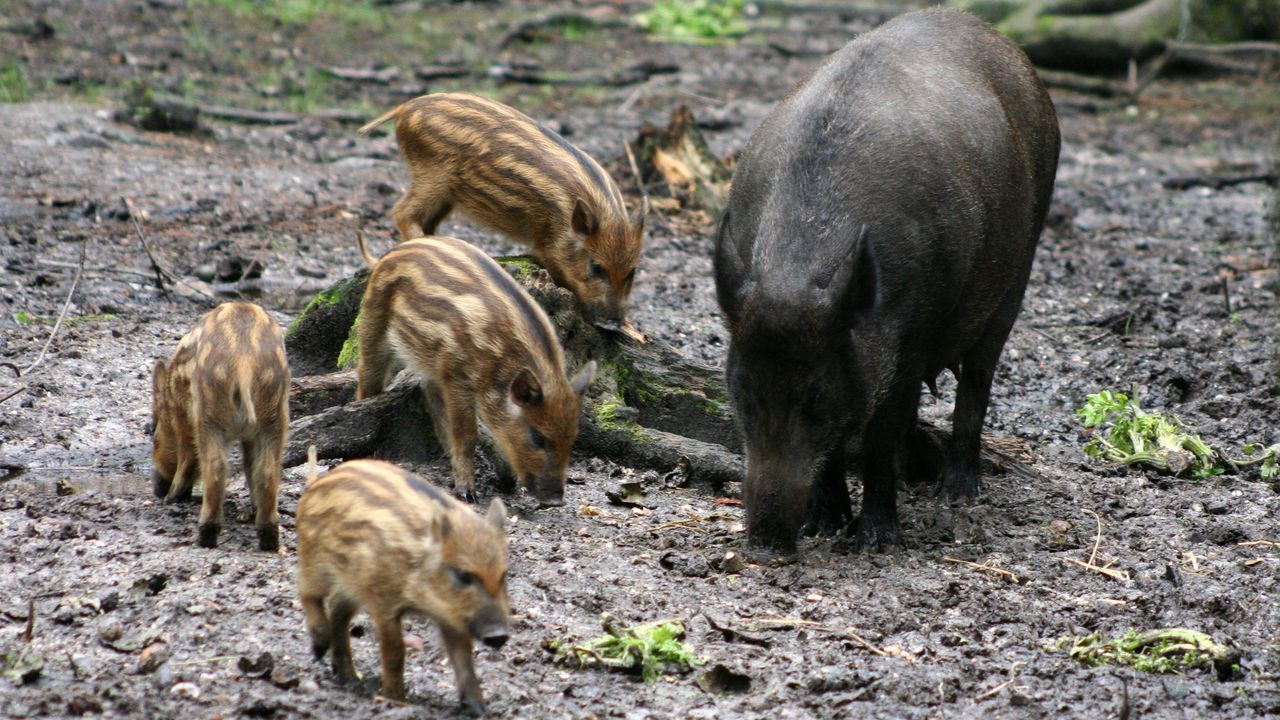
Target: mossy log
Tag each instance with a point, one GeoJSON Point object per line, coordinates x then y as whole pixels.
{"type": "Point", "coordinates": [1104, 35]}
{"type": "Point", "coordinates": [648, 407]}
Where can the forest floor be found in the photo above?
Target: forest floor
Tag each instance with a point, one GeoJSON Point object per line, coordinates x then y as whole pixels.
{"type": "Point", "coordinates": [1169, 290]}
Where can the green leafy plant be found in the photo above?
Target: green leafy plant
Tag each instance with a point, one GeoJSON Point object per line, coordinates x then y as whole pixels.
{"type": "Point", "coordinates": [1170, 650]}
{"type": "Point", "coordinates": [694, 20]}
{"type": "Point", "coordinates": [646, 650]}
{"type": "Point", "coordinates": [1138, 437]}
{"type": "Point", "coordinates": [1159, 441]}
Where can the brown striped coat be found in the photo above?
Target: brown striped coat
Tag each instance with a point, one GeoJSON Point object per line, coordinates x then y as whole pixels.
{"type": "Point", "coordinates": [519, 177]}
{"type": "Point", "coordinates": [485, 350]}
{"type": "Point", "coordinates": [228, 380]}
{"type": "Point", "coordinates": [375, 536]}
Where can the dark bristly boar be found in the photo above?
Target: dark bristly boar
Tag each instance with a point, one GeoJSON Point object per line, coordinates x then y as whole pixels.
{"type": "Point", "coordinates": [227, 381]}
{"type": "Point", "coordinates": [519, 177]}
{"type": "Point", "coordinates": [375, 536]}
{"type": "Point", "coordinates": [880, 229]}
{"type": "Point", "coordinates": [483, 348]}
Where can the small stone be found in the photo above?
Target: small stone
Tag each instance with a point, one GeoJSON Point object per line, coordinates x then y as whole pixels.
{"type": "Point", "coordinates": [187, 690]}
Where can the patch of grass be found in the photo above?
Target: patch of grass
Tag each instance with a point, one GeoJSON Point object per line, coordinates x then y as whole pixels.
{"type": "Point", "coordinates": [301, 12]}
{"type": "Point", "coordinates": [647, 650]}
{"type": "Point", "coordinates": [14, 86]}
{"type": "Point", "coordinates": [1152, 439]}
{"type": "Point", "coordinates": [694, 20]}
{"type": "Point", "coordinates": [608, 415]}
{"type": "Point", "coordinates": [1172, 650]}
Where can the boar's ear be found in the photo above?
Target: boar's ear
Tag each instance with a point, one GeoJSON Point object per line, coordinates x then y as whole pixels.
{"type": "Point", "coordinates": [584, 377]}
{"type": "Point", "coordinates": [731, 268]}
{"type": "Point", "coordinates": [584, 220]}
{"type": "Point", "coordinates": [637, 217]}
{"type": "Point", "coordinates": [854, 280]}
{"type": "Point", "coordinates": [526, 391]}
{"type": "Point", "coordinates": [496, 514]}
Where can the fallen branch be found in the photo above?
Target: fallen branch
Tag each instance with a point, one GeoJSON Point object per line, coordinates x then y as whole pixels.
{"type": "Point", "coordinates": [629, 75]}
{"type": "Point", "coordinates": [1217, 182]}
{"type": "Point", "coordinates": [56, 326]}
{"type": "Point", "coordinates": [249, 117]}
{"type": "Point", "coordinates": [526, 29]}
{"type": "Point", "coordinates": [381, 77]}
{"type": "Point", "coordinates": [1081, 83]}
{"type": "Point", "coordinates": [159, 271]}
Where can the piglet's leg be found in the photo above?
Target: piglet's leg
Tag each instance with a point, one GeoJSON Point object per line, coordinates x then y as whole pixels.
{"type": "Point", "coordinates": [213, 470]}
{"type": "Point", "coordinates": [458, 646]}
{"type": "Point", "coordinates": [391, 645]}
{"type": "Point", "coordinates": [341, 610]}
{"type": "Point", "coordinates": [262, 465]}
{"type": "Point", "coordinates": [461, 416]}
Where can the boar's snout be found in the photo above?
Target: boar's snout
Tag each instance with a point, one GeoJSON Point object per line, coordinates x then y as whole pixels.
{"type": "Point", "coordinates": [490, 628]}
{"type": "Point", "coordinates": [549, 498]}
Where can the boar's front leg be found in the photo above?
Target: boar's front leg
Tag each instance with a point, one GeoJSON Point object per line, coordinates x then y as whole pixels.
{"type": "Point", "coordinates": [885, 438]}
{"type": "Point", "coordinates": [829, 508]}
{"type": "Point", "coordinates": [458, 646]}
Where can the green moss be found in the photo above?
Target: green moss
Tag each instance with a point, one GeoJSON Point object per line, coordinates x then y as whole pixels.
{"type": "Point", "coordinates": [350, 352]}
{"type": "Point", "coordinates": [524, 265]}
{"type": "Point", "coordinates": [607, 417]}
{"type": "Point", "coordinates": [330, 296]}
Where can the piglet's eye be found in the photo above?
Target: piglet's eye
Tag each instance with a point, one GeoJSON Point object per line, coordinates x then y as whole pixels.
{"type": "Point", "coordinates": [597, 270]}
{"type": "Point", "coordinates": [462, 578]}
{"type": "Point", "coordinates": [537, 439]}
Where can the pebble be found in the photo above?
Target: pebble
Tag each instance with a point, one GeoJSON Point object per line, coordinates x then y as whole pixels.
{"type": "Point", "coordinates": [188, 690]}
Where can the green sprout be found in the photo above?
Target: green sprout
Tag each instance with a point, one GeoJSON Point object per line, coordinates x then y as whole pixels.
{"type": "Point", "coordinates": [646, 650]}
{"type": "Point", "coordinates": [694, 20]}
{"type": "Point", "coordinates": [1170, 650]}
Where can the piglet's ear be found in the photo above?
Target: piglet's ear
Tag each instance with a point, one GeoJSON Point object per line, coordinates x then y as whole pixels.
{"type": "Point", "coordinates": [637, 217]}
{"type": "Point", "coordinates": [584, 220]}
{"type": "Point", "coordinates": [526, 391]}
{"type": "Point", "coordinates": [160, 374]}
{"type": "Point", "coordinates": [584, 377]}
{"type": "Point", "coordinates": [497, 514]}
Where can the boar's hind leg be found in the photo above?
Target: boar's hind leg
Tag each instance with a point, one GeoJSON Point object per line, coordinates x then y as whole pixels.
{"type": "Point", "coordinates": [973, 391]}
{"type": "Point", "coordinates": [317, 620]}
{"type": "Point", "coordinates": [213, 470]}
{"type": "Point", "coordinates": [341, 610]}
{"type": "Point", "coordinates": [458, 646]}
{"type": "Point", "coordinates": [262, 467]}
{"type": "Point", "coordinates": [829, 508]}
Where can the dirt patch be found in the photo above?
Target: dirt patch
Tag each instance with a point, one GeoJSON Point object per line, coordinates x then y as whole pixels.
{"type": "Point", "coordinates": [1135, 284]}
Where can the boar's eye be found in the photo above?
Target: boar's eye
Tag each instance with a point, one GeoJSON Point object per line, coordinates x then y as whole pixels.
{"type": "Point", "coordinates": [462, 578]}
{"type": "Point", "coordinates": [537, 439]}
{"type": "Point", "coordinates": [597, 270]}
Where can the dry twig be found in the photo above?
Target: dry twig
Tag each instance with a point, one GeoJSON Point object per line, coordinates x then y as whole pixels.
{"type": "Point", "coordinates": [1093, 556]}
{"type": "Point", "coordinates": [999, 572]}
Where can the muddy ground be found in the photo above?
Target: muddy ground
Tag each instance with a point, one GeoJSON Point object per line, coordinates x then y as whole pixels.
{"type": "Point", "coordinates": [1172, 291]}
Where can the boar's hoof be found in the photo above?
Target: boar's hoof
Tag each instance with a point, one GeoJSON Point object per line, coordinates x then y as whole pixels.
{"type": "Point", "coordinates": [959, 485]}
{"type": "Point", "coordinates": [269, 538]}
{"type": "Point", "coordinates": [872, 535]}
{"type": "Point", "coordinates": [209, 535]}
{"type": "Point", "coordinates": [474, 706]}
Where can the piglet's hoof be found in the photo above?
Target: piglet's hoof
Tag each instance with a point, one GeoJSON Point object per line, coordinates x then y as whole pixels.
{"type": "Point", "coordinates": [209, 535]}
{"type": "Point", "coordinates": [474, 706]}
{"type": "Point", "coordinates": [269, 538]}
{"type": "Point", "coordinates": [465, 494]}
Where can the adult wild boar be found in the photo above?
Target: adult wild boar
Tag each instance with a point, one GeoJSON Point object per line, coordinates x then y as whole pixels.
{"type": "Point", "coordinates": [880, 228]}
